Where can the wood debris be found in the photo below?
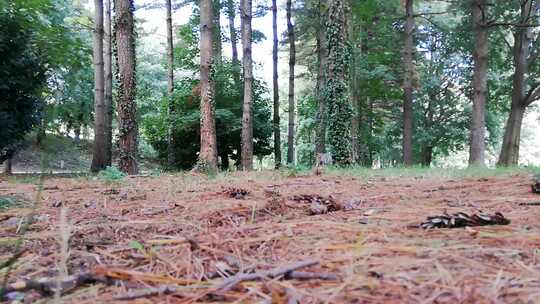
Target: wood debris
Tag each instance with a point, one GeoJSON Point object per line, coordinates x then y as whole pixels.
{"type": "Point", "coordinates": [461, 219]}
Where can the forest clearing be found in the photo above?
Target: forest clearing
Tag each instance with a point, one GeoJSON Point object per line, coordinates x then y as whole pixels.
{"type": "Point", "coordinates": [181, 238]}
{"type": "Point", "coordinates": [270, 151]}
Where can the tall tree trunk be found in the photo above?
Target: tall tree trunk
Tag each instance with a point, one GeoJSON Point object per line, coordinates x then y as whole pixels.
{"type": "Point", "coordinates": [208, 155]}
{"type": "Point", "coordinates": [337, 84]}
{"type": "Point", "coordinates": [107, 60]}
{"type": "Point", "coordinates": [292, 63]}
{"type": "Point", "coordinates": [480, 56]}
{"type": "Point", "coordinates": [8, 166]}
{"type": "Point", "coordinates": [277, 129]}
{"type": "Point", "coordinates": [247, 113]}
{"type": "Point", "coordinates": [171, 147]}
{"type": "Point", "coordinates": [322, 58]}
{"type": "Point", "coordinates": [231, 14]}
{"type": "Point", "coordinates": [217, 45]}
{"type": "Point", "coordinates": [512, 135]}
{"type": "Point", "coordinates": [427, 156]}
{"type": "Point", "coordinates": [99, 153]}
{"type": "Point", "coordinates": [408, 55]}
{"type": "Point", "coordinates": [355, 98]}
{"type": "Point", "coordinates": [127, 108]}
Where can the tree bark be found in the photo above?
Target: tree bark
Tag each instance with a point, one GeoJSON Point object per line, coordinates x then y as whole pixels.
{"type": "Point", "coordinates": [480, 56]}
{"type": "Point", "coordinates": [217, 31]}
{"type": "Point", "coordinates": [292, 63]}
{"type": "Point", "coordinates": [208, 154]}
{"type": "Point", "coordinates": [107, 60]}
{"type": "Point", "coordinates": [337, 83]}
{"type": "Point", "coordinates": [127, 108]}
{"type": "Point", "coordinates": [247, 113]}
{"type": "Point", "coordinates": [322, 58]}
{"type": "Point", "coordinates": [171, 158]}
{"type": "Point", "coordinates": [231, 14]}
{"type": "Point", "coordinates": [512, 135]}
{"type": "Point", "coordinates": [8, 167]}
{"type": "Point", "coordinates": [427, 156]}
{"type": "Point", "coordinates": [277, 129]}
{"type": "Point", "coordinates": [408, 55]}
{"type": "Point", "coordinates": [99, 153]}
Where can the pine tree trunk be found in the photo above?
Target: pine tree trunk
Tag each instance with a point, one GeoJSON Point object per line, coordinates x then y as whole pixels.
{"type": "Point", "coordinates": [337, 83]}
{"type": "Point", "coordinates": [292, 62]}
{"type": "Point", "coordinates": [171, 157]}
{"type": "Point", "coordinates": [277, 129]}
{"type": "Point", "coordinates": [217, 31]}
{"type": "Point", "coordinates": [512, 135]}
{"type": "Point", "coordinates": [127, 108]}
{"type": "Point", "coordinates": [322, 58]}
{"type": "Point", "coordinates": [480, 57]}
{"type": "Point", "coordinates": [231, 14]}
{"type": "Point", "coordinates": [408, 55]}
{"type": "Point", "coordinates": [247, 113]}
{"type": "Point", "coordinates": [208, 154]}
{"type": "Point", "coordinates": [99, 153]}
{"type": "Point", "coordinates": [8, 166]}
{"type": "Point", "coordinates": [107, 60]}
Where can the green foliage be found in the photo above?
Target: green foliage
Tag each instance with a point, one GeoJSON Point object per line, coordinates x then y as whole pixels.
{"type": "Point", "coordinates": [186, 121]}
{"type": "Point", "coordinates": [111, 175]}
{"type": "Point", "coordinates": [22, 79]}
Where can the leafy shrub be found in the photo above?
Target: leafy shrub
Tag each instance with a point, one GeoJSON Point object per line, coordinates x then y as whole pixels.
{"type": "Point", "coordinates": [111, 174]}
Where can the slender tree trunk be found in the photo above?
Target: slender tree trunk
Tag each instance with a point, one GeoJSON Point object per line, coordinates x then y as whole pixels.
{"type": "Point", "coordinates": [355, 98]}
{"type": "Point", "coordinates": [427, 156]}
{"type": "Point", "coordinates": [277, 129]}
{"type": "Point", "coordinates": [480, 57]}
{"type": "Point", "coordinates": [512, 135]}
{"type": "Point", "coordinates": [8, 166]}
{"type": "Point", "coordinates": [127, 108]}
{"type": "Point", "coordinates": [99, 154]}
{"type": "Point", "coordinates": [232, 31]}
{"type": "Point", "coordinates": [208, 155]}
{"type": "Point", "coordinates": [247, 113]}
{"type": "Point", "coordinates": [322, 58]}
{"type": "Point", "coordinates": [408, 55]}
{"type": "Point", "coordinates": [171, 157]}
{"type": "Point", "coordinates": [292, 63]}
{"type": "Point", "coordinates": [107, 60]}
{"type": "Point", "coordinates": [217, 31]}
{"type": "Point", "coordinates": [231, 14]}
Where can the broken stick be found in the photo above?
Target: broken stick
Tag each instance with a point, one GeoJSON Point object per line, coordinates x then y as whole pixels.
{"type": "Point", "coordinates": [231, 282]}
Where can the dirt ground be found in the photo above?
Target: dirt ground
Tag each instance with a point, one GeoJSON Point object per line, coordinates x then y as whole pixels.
{"type": "Point", "coordinates": [182, 234]}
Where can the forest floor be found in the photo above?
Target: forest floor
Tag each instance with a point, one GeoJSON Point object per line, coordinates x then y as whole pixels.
{"type": "Point", "coordinates": [174, 238]}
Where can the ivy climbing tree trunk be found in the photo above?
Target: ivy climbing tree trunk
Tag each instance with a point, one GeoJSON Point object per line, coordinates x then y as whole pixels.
{"type": "Point", "coordinates": [336, 87]}
{"type": "Point", "coordinates": [99, 154]}
{"type": "Point", "coordinates": [247, 113]}
{"type": "Point", "coordinates": [107, 60]}
{"type": "Point", "coordinates": [208, 159]}
{"type": "Point", "coordinates": [127, 108]}
{"type": "Point", "coordinates": [277, 129]}
{"type": "Point", "coordinates": [408, 55]}
{"type": "Point", "coordinates": [525, 55]}
{"type": "Point", "coordinates": [480, 56]}
{"type": "Point", "coordinates": [171, 157]}
{"type": "Point", "coordinates": [292, 63]}
{"type": "Point", "coordinates": [322, 58]}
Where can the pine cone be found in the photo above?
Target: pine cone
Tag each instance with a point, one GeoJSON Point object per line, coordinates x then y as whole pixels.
{"type": "Point", "coordinates": [461, 219]}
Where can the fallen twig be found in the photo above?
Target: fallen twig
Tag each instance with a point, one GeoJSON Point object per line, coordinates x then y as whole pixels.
{"type": "Point", "coordinates": [460, 219]}
{"type": "Point", "coordinates": [229, 283]}
{"type": "Point", "coordinates": [150, 292]}
{"type": "Point", "coordinates": [304, 275]}
{"type": "Point", "coordinates": [48, 286]}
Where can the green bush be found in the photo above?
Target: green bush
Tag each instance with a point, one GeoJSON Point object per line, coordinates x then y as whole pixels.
{"type": "Point", "coordinates": [111, 174]}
